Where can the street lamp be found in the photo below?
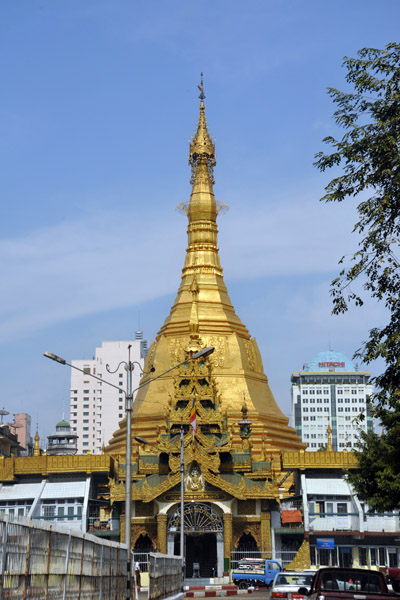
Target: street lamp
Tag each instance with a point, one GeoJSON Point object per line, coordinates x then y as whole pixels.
{"type": "Point", "coordinates": [182, 470]}
{"type": "Point", "coordinates": [128, 409]}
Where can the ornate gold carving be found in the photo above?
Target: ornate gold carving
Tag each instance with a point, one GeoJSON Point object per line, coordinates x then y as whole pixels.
{"type": "Point", "coordinates": [219, 342]}
{"type": "Point", "coordinates": [43, 465]}
{"type": "Point", "coordinates": [302, 559]}
{"type": "Point", "coordinates": [328, 460]}
{"type": "Point", "coordinates": [149, 528]}
{"type": "Point", "coordinates": [176, 350]}
{"type": "Point", "coordinates": [266, 543]}
{"type": "Point", "coordinates": [246, 527]}
{"type": "Point", "coordinates": [162, 533]}
{"type": "Point", "coordinates": [194, 479]}
{"type": "Point", "coordinates": [227, 535]}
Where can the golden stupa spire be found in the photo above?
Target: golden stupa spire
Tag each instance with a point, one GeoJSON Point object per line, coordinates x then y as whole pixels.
{"type": "Point", "coordinates": [203, 315]}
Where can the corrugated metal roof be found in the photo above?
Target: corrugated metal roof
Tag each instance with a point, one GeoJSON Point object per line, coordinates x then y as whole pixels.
{"type": "Point", "coordinates": [328, 487]}
{"type": "Point", "coordinates": [64, 489]}
{"type": "Point", "coordinates": [20, 491]}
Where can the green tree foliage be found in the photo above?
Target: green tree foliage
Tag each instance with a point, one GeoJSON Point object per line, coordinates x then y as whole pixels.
{"type": "Point", "coordinates": [369, 157]}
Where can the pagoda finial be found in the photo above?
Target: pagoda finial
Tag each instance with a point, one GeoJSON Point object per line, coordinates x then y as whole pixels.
{"type": "Point", "coordinates": [201, 88]}
{"type": "Point", "coordinates": [202, 149]}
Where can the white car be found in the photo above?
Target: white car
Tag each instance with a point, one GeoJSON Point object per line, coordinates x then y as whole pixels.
{"type": "Point", "coordinates": [287, 583]}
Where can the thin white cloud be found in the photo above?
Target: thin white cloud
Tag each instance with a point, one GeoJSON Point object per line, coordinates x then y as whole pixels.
{"type": "Point", "coordinates": [106, 261]}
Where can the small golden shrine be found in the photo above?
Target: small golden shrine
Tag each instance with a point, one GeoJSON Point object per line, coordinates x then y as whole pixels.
{"type": "Point", "coordinates": [233, 457]}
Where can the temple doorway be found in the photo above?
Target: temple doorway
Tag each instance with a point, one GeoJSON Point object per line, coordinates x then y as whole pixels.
{"type": "Point", "coordinates": [201, 555]}
{"type": "Point", "coordinates": [204, 539]}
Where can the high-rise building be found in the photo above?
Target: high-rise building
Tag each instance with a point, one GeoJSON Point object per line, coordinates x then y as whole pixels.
{"type": "Point", "coordinates": [21, 427]}
{"type": "Point", "coordinates": [96, 409]}
{"type": "Point", "coordinates": [330, 391]}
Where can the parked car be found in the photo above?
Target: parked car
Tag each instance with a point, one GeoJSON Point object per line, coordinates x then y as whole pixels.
{"type": "Point", "coordinates": [287, 584]}
{"type": "Point", "coordinates": [341, 583]}
{"type": "Point", "coordinates": [393, 578]}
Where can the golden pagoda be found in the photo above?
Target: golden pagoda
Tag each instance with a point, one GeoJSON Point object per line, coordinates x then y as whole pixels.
{"type": "Point", "coordinates": [233, 458]}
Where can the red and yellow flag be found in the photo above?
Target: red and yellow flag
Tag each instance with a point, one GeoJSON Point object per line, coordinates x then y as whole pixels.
{"type": "Point", "coordinates": [193, 417]}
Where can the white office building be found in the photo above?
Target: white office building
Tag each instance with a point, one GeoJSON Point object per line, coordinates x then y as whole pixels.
{"type": "Point", "coordinates": [330, 391]}
{"type": "Point", "coordinates": [96, 408]}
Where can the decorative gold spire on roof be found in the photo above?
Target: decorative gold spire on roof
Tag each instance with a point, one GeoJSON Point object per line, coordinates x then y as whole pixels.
{"type": "Point", "coordinates": [329, 447]}
{"type": "Point", "coordinates": [36, 448]}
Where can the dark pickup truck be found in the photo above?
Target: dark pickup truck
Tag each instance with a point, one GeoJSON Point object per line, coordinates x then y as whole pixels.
{"type": "Point", "coordinates": [339, 583]}
{"type": "Point", "coordinates": [393, 577]}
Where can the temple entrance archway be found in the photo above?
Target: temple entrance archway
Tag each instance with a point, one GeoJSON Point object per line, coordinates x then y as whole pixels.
{"type": "Point", "coordinates": [204, 539]}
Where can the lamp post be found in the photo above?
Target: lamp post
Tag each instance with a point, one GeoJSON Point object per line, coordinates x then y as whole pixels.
{"type": "Point", "coordinates": [182, 494]}
{"type": "Point", "coordinates": [129, 393]}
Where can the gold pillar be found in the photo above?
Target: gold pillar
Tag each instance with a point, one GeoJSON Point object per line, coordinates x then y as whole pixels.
{"type": "Point", "coordinates": [122, 528]}
{"type": "Point", "coordinates": [266, 545]}
{"type": "Point", "coordinates": [162, 533]}
{"type": "Point", "coordinates": [227, 540]}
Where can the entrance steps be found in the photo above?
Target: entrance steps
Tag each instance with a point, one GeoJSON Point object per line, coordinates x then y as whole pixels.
{"type": "Point", "coordinates": [212, 590]}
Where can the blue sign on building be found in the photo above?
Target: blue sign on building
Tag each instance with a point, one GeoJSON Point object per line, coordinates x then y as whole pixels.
{"type": "Point", "coordinates": [327, 543]}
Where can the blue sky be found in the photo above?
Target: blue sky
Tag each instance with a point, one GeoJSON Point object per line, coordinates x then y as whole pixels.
{"type": "Point", "coordinates": [98, 100]}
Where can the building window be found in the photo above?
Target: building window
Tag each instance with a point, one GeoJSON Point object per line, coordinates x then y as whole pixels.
{"type": "Point", "coordinates": [305, 419]}
{"type": "Point", "coordinates": [86, 420]}
{"type": "Point", "coordinates": [85, 435]}
{"type": "Point", "coordinates": [85, 443]}
{"type": "Point", "coordinates": [86, 429]}
{"type": "Point", "coordinates": [312, 418]}
{"type": "Point", "coordinates": [305, 409]}
{"type": "Point", "coordinates": [341, 508]}
{"type": "Point", "coordinates": [340, 391]}
{"type": "Point", "coordinates": [85, 414]}
{"type": "Point", "coordinates": [48, 510]}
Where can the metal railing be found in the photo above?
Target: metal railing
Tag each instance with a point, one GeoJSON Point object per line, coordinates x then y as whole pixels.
{"type": "Point", "coordinates": [42, 560]}
{"type": "Point", "coordinates": [165, 576]}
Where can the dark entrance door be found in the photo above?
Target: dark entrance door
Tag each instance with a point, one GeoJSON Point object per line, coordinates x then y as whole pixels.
{"type": "Point", "coordinates": [201, 550]}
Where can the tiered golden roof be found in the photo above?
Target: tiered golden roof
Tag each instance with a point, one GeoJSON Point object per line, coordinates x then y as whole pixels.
{"type": "Point", "coordinates": [203, 315]}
